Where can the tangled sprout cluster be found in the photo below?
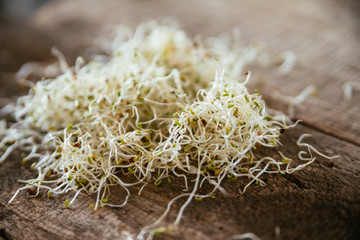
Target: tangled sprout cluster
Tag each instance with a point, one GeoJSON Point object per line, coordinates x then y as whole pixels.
{"type": "Point", "coordinates": [160, 106]}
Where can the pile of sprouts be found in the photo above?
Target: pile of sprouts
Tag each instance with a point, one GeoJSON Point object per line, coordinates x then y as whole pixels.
{"type": "Point", "coordinates": [159, 106]}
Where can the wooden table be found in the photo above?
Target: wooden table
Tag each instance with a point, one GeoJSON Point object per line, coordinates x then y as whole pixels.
{"type": "Point", "coordinates": [321, 201]}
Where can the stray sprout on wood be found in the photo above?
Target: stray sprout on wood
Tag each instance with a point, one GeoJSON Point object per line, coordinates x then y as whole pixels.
{"type": "Point", "coordinates": [348, 88]}
{"type": "Point", "coordinates": [160, 106]}
{"type": "Point", "coordinates": [295, 101]}
{"type": "Point", "coordinates": [246, 236]}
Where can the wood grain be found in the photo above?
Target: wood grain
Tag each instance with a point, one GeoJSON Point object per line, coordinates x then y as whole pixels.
{"type": "Point", "coordinates": [21, 43]}
{"type": "Point", "coordinates": [320, 202]}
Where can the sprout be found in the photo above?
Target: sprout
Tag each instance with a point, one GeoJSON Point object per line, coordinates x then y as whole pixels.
{"type": "Point", "coordinates": [158, 109]}
{"type": "Point", "coordinates": [246, 236]}
{"type": "Point", "coordinates": [348, 88]}
{"type": "Point", "coordinates": [67, 203]}
{"type": "Point", "coordinates": [296, 101]}
{"type": "Point", "coordinates": [288, 60]}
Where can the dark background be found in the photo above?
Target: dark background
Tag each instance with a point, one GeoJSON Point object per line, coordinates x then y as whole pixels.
{"type": "Point", "coordinates": [20, 8]}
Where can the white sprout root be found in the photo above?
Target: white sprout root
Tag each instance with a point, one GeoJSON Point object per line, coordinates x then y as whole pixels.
{"type": "Point", "coordinates": [348, 88]}
{"type": "Point", "coordinates": [246, 236]}
{"type": "Point", "coordinates": [288, 61]}
{"type": "Point", "coordinates": [159, 107]}
{"type": "Point", "coordinates": [293, 102]}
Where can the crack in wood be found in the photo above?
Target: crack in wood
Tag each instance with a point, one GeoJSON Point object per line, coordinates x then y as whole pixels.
{"type": "Point", "coordinates": [4, 235]}
{"type": "Point", "coordinates": [293, 179]}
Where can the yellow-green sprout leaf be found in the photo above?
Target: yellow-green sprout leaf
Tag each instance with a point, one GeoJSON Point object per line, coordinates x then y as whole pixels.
{"type": "Point", "coordinates": [67, 202]}
{"type": "Point", "coordinates": [246, 98]}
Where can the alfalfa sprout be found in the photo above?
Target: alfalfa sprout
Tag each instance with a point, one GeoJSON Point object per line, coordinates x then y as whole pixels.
{"type": "Point", "coordinates": [161, 106]}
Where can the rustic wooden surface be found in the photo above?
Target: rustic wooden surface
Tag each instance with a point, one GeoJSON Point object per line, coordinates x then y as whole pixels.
{"type": "Point", "coordinates": [320, 202]}
{"type": "Point", "coordinates": [20, 43]}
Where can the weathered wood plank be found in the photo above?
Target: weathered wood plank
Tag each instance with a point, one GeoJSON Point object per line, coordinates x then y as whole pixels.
{"type": "Point", "coordinates": [319, 202]}
{"type": "Point", "coordinates": [21, 43]}
{"type": "Point", "coordinates": [323, 34]}
{"type": "Point", "coordinates": [328, 111]}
